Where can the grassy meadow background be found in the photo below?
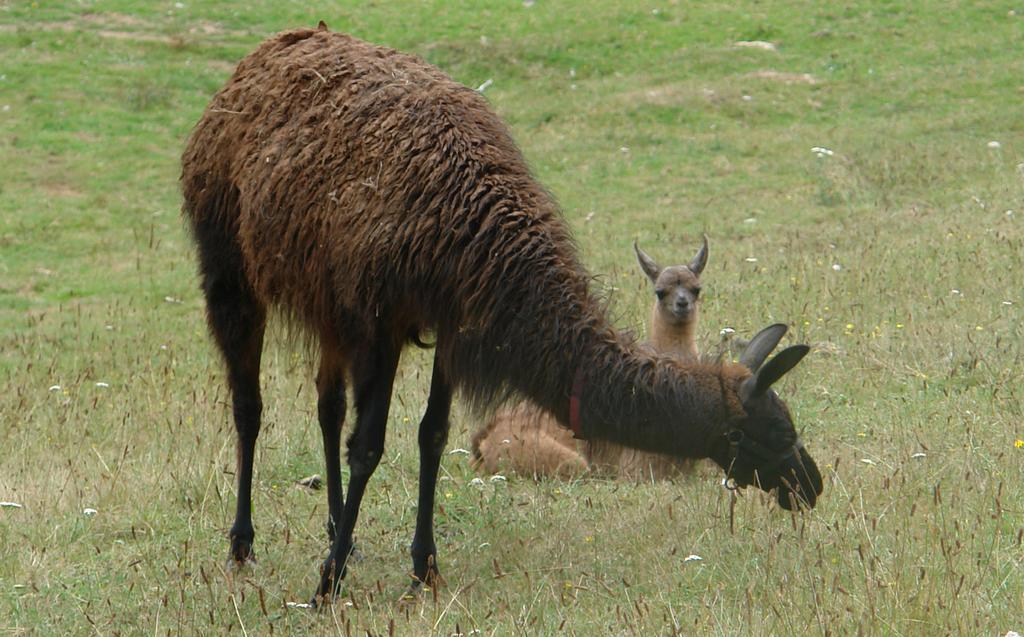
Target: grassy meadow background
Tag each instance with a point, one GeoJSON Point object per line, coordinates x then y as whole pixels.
{"type": "Point", "coordinates": [897, 254]}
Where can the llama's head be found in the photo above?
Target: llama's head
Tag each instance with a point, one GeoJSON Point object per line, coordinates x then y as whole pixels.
{"type": "Point", "coordinates": [677, 286]}
{"type": "Point", "coordinates": [761, 447]}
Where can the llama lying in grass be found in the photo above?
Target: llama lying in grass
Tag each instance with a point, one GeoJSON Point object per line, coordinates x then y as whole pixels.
{"type": "Point", "coordinates": [526, 439]}
{"type": "Point", "coordinates": [368, 197]}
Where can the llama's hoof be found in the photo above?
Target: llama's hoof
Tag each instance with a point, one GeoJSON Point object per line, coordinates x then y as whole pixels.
{"type": "Point", "coordinates": [242, 537]}
{"type": "Point", "coordinates": [326, 592]}
{"type": "Point", "coordinates": [429, 584]}
{"type": "Point", "coordinates": [233, 566]}
{"type": "Point", "coordinates": [330, 582]}
{"type": "Point", "coordinates": [414, 593]}
{"type": "Point", "coordinates": [240, 557]}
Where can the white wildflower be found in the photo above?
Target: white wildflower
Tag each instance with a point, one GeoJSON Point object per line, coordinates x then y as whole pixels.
{"type": "Point", "coordinates": [693, 557]}
{"type": "Point", "coordinates": [88, 512]}
{"type": "Point", "coordinates": [994, 145]}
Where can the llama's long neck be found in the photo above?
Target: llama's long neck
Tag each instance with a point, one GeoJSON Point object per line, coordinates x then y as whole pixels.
{"type": "Point", "coordinates": [679, 340]}
{"type": "Point", "coordinates": [629, 395]}
{"type": "Point", "coordinates": [656, 403]}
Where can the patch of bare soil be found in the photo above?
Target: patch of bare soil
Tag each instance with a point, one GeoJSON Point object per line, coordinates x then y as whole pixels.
{"type": "Point", "coordinates": [756, 44]}
{"type": "Point", "coordinates": [785, 78]}
{"type": "Point", "coordinates": [61, 190]}
{"type": "Point", "coordinates": [107, 20]}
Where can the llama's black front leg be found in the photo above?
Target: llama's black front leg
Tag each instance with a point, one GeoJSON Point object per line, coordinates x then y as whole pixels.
{"type": "Point", "coordinates": [237, 322]}
{"type": "Point", "coordinates": [330, 383]}
{"type": "Point", "coordinates": [432, 438]}
{"type": "Point", "coordinates": [247, 410]}
{"type": "Point", "coordinates": [242, 348]}
{"type": "Point", "coordinates": [374, 378]}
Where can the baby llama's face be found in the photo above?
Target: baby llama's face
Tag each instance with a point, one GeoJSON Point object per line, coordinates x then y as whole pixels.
{"type": "Point", "coordinates": [678, 293]}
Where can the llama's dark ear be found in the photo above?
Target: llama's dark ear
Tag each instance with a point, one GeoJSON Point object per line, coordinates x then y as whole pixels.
{"type": "Point", "coordinates": [697, 265]}
{"type": "Point", "coordinates": [762, 345]}
{"type": "Point", "coordinates": [322, 26]}
{"type": "Point", "coordinates": [773, 370]}
{"type": "Point", "coordinates": [650, 268]}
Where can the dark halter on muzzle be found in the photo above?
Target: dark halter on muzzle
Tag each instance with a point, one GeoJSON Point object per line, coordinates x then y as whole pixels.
{"type": "Point", "coordinates": [767, 459]}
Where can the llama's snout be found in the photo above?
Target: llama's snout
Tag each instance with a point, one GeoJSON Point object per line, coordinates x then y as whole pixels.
{"type": "Point", "coordinates": [683, 307]}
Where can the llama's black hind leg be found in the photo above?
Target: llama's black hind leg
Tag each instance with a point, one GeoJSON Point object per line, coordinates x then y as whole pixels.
{"type": "Point", "coordinates": [243, 373]}
{"type": "Point", "coordinates": [432, 437]}
{"type": "Point", "coordinates": [237, 320]}
{"type": "Point", "coordinates": [373, 376]}
{"type": "Point", "coordinates": [330, 384]}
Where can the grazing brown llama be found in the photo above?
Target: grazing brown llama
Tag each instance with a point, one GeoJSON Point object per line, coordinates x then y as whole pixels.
{"type": "Point", "coordinates": [525, 439]}
{"type": "Point", "coordinates": [369, 198]}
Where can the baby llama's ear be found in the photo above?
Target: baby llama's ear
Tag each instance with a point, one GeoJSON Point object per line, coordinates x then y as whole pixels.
{"type": "Point", "coordinates": [697, 265]}
{"type": "Point", "coordinates": [650, 268]}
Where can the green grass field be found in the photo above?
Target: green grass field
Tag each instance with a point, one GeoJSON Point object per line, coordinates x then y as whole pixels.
{"type": "Point", "coordinates": [898, 256]}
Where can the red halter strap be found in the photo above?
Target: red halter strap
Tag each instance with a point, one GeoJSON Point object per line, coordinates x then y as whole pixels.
{"type": "Point", "coordinates": [574, 406]}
